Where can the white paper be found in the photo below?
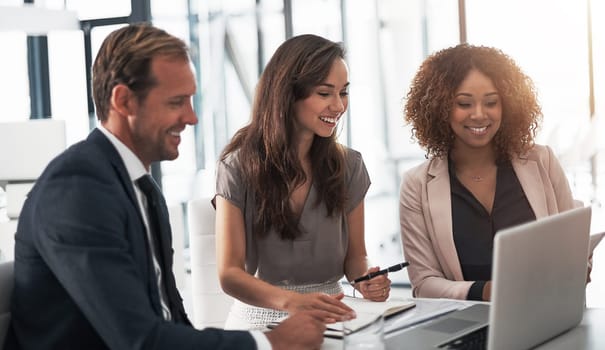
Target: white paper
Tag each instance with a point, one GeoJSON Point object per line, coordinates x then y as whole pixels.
{"type": "Point", "coordinates": [367, 311]}
{"type": "Point", "coordinates": [425, 309]}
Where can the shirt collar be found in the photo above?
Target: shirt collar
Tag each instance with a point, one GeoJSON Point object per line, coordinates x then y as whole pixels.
{"type": "Point", "coordinates": [134, 166]}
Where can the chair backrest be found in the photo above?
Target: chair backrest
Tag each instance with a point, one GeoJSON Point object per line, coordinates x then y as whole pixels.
{"type": "Point", "coordinates": [177, 224]}
{"type": "Point", "coordinates": [7, 240]}
{"type": "Point", "coordinates": [26, 147]}
{"type": "Point", "coordinates": [211, 304]}
{"type": "Point", "coordinates": [6, 291]}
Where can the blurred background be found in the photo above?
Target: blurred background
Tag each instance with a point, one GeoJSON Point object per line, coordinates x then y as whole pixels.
{"type": "Point", "coordinates": [48, 47]}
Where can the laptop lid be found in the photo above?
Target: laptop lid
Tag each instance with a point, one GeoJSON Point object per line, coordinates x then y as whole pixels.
{"type": "Point", "coordinates": [539, 279]}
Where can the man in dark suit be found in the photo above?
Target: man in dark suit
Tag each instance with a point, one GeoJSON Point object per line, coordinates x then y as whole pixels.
{"type": "Point", "coordinates": [93, 263]}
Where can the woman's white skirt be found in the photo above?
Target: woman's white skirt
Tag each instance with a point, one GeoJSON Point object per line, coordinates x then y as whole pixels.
{"type": "Point", "coordinates": [247, 317]}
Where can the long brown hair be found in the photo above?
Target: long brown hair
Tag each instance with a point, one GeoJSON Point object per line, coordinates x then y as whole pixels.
{"type": "Point", "coordinates": [266, 147]}
{"type": "Point", "coordinates": [431, 98]}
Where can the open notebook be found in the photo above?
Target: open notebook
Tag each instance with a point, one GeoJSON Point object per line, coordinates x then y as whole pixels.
{"type": "Point", "coordinates": [367, 312]}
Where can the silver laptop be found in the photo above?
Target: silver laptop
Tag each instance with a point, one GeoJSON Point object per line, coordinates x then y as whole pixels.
{"type": "Point", "coordinates": [538, 289]}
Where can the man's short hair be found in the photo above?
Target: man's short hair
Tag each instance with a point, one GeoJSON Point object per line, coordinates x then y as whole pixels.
{"type": "Point", "coordinates": [125, 58]}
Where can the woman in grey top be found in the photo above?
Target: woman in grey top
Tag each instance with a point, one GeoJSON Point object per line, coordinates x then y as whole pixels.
{"type": "Point", "coordinates": [289, 200]}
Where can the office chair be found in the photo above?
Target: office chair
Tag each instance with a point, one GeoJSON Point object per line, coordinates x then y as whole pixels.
{"type": "Point", "coordinates": [26, 148]}
{"type": "Point", "coordinates": [6, 291]}
{"type": "Point", "coordinates": [211, 304]}
{"type": "Point", "coordinates": [177, 224]}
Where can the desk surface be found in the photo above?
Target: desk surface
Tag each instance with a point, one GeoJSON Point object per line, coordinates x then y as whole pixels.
{"type": "Point", "coordinates": [583, 337]}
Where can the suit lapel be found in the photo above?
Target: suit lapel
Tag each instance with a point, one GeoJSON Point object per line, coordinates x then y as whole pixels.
{"type": "Point", "coordinates": [176, 306]}
{"type": "Point", "coordinates": [96, 137]}
{"type": "Point", "coordinates": [100, 141]}
{"type": "Point", "coordinates": [440, 206]}
{"type": "Point", "coordinates": [529, 176]}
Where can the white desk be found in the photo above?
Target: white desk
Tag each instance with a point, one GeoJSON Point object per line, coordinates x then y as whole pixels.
{"type": "Point", "coordinates": [583, 337]}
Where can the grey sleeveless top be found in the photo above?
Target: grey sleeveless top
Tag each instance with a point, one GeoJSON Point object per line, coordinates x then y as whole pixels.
{"type": "Point", "coordinates": [317, 256]}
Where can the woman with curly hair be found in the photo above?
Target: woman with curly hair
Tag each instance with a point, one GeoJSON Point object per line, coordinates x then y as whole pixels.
{"type": "Point", "coordinates": [476, 114]}
{"type": "Point", "coordinates": [290, 198]}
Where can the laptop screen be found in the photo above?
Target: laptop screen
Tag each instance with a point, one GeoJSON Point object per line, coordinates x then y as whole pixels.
{"type": "Point", "coordinates": [539, 279]}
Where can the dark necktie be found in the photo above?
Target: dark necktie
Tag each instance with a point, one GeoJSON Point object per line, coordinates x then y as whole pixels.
{"type": "Point", "coordinates": [159, 227]}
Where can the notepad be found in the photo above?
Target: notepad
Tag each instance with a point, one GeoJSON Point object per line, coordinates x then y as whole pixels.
{"type": "Point", "coordinates": [367, 311]}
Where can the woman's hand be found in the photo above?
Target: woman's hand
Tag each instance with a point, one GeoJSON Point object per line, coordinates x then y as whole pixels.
{"type": "Point", "coordinates": [329, 307]}
{"type": "Point", "coordinates": [375, 289]}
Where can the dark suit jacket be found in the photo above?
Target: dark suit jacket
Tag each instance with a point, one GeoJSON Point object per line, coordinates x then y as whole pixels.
{"type": "Point", "coordinates": [83, 272]}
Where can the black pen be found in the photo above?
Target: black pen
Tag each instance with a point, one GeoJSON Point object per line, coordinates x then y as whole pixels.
{"type": "Point", "coordinates": [381, 272]}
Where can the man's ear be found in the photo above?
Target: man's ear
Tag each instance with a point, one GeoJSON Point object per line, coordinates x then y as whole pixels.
{"type": "Point", "coordinates": [123, 100]}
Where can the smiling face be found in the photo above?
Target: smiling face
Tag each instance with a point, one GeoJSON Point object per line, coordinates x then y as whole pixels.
{"type": "Point", "coordinates": [477, 112]}
{"type": "Point", "coordinates": [164, 113]}
{"type": "Point", "coordinates": [319, 113]}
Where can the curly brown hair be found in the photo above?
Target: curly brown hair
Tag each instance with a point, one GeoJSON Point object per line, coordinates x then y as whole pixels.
{"type": "Point", "coordinates": [266, 147]}
{"type": "Point", "coordinates": [431, 99]}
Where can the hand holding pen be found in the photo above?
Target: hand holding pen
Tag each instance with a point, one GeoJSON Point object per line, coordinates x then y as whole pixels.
{"type": "Point", "coordinates": [375, 285]}
{"type": "Point", "coordinates": [371, 275]}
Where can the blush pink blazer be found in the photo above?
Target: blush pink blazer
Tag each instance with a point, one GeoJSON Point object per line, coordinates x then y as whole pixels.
{"type": "Point", "coordinates": [426, 217]}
